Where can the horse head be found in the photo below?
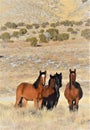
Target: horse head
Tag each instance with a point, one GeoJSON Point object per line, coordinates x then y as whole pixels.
{"type": "Point", "coordinates": [52, 81]}
{"type": "Point", "coordinates": [58, 79]}
{"type": "Point", "coordinates": [72, 75]}
{"type": "Point", "coordinates": [41, 79]}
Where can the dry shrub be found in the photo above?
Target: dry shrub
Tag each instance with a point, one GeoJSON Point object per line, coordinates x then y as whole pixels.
{"type": "Point", "coordinates": [22, 31]}
{"type": "Point", "coordinates": [70, 29]}
{"type": "Point", "coordinates": [42, 38]}
{"type": "Point", "coordinates": [63, 36]}
{"type": "Point", "coordinates": [33, 41]}
{"type": "Point", "coordinates": [11, 25]}
{"type": "Point", "coordinates": [3, 28]}
{"type": "Point", "coordinates": [86, 33]}
{"type": "Point", "coordinates": [28, 26]}
{"type": "Point", "coordinates": [15, 34]}
{"type": "Point", "coordinates": [53, 33]}
{"type": "Point", "coordinates": [5, 36]}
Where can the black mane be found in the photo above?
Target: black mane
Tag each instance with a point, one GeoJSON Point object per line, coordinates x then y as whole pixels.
{"type": "Point", "coordinates": [35, 84]}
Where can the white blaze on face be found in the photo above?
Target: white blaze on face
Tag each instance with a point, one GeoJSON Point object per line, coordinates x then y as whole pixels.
{"type": "Point", "coordinates": [43, 76]}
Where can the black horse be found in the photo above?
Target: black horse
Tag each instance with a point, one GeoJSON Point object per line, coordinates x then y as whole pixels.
{"type": "Point", "coordinates": [51, 101]}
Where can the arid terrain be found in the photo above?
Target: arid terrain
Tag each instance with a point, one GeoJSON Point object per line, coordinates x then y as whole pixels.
{"type": "Point", "coordinates": [34, 11]}
{"type": "Point", "coordinates": [21, 62]}
{"type": "Point", "coordinates": [44, 35]}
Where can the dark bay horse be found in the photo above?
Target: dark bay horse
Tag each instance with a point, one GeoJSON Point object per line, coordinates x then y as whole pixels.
{"type": "Point", "coordinates": [51, 100]}
{"type": "Point", "coordinates": [49, 89]}
{"type": "Point", "coordinates": [73, 92]}
{"type": "Point", "coordinates": [31, 92]}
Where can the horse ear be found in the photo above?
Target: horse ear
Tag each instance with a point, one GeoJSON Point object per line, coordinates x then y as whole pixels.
{"type": "Point", "coordinates": [40, 71]}
{"type": "Point", "coordinates": [69, 70]}
{"type": "Point", "coordinates": [45, 71]}
{"type": "Point", "coordinates": [50, 75]}
{"type": "Point", "coordinates": [61, 74]}
{"type": "Point", "coordinates": [56, 73]}
{"type": "Point", "coordinates": [75, 70]}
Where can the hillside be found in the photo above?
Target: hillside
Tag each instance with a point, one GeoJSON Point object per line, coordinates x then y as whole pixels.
{"type": "Point", "coordinates": [43, 10]}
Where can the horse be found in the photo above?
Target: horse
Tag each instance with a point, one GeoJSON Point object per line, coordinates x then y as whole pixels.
{"type": "Point", "coordinates": [51, 100]}
{"type": "Point", "coordinates": [73, 91]}
{"type": "Point", "coordinates": [31, 92]}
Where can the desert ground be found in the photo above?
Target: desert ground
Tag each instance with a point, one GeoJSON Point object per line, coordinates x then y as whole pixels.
{"type": "Point", "coordinates": [20, 62]}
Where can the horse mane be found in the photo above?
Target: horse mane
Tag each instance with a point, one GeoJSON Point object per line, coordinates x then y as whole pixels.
{"type": "Point", "coordinates": [35, 84]}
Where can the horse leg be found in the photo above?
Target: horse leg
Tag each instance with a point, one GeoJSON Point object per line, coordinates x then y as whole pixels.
{"type": "Point", "coordinates": [40, 103]}
{"type": "Point", "coordinates": [24, 103]}
{"type": "Point", "coordinates": [18, 98]}
{"type": "Point", "coordinates": [70, 104]}
{"type": "Point", "coordinates": [35, 103]}
{"type": "Point", "coordinates": [77, 101]}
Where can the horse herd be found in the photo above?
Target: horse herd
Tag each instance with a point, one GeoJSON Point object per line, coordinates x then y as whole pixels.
{"type": "Point", "coordinates": [48, 95]}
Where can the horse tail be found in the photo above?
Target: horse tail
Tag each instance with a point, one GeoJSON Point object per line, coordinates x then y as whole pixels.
{"type": "Point", "coordinates": [20, 102]}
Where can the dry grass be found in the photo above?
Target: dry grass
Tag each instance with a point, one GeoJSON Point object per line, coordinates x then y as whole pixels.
{"type": "Point", "coordinates": [22, 63]}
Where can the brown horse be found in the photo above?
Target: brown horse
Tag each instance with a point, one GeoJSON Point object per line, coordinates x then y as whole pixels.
{"type": "Point", "coordinates": [31, 92]}
{"type": "Point", "coordinates": [49, 89]}
{"type": "Point", "coordinates": [73, 91]}
{"type": "Point", "coordinates": [51, 92]}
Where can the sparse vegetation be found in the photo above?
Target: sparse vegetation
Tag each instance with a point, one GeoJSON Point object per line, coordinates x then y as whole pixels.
{"type": "Point", "coordinates": [28, 26]}
{"type": "Point", "coordinates": [22, 31]}
{"type": "Point", "coordinates": [86, 33]}
{"type": "Point", "coordinates": [53, 33]}
{"type": "Point", "coordinates": [3, 28]}
{"type": "Point", "coordinates": [21, 24]}
{"type": "Point", "coordinates": [41, 31]}
{"type": "Point", "coordinates": [87, 22]}
{"type": "Point", "coordinates": [84, 1]}
{"type": "Point", "coordinates": [44, 24]}
{"type": "Point", "coordinates": [67, 23]}
{"type": "Point", "coordinates": [70, 29]}
{"type": "Point", "coordinates": [53, 25]}
{"type": "Point", "coordinates": [5, 36]}
{"type": "Point", "coordinates": [36, 26]}
{"type": "Point", "coordinates": [42, 38]}
{"type": "Point", "coordinates": [33, 41]}
{"type": "Point", "coordinates": [63, 36]}
{"type": "Point", "coordinates": [74, 32]}
{"type": "Point", "coordinates": [15, 34]}
{"type": "Point", "coordinates": [11, 25]}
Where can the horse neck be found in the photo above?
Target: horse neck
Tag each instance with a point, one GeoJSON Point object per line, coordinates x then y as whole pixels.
{"type": "Point", "coordinates": [70, 82]}
{"type": "Point", "coordinates": [36, 83]}
{"type": "Point", "coordinates": [52, 84]}
{"type": "Point", "coordinates": [40, 87]}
